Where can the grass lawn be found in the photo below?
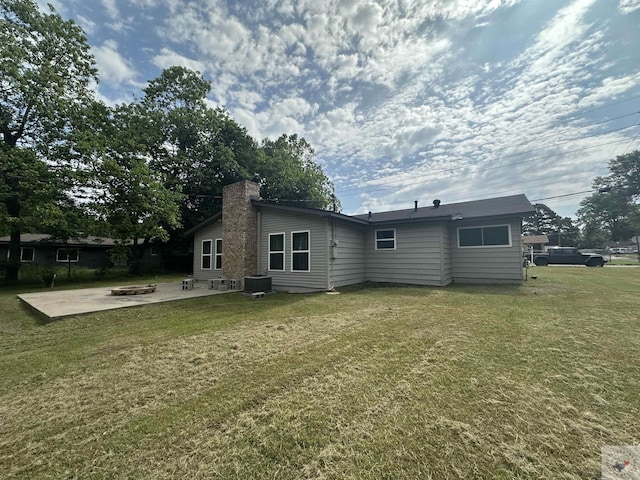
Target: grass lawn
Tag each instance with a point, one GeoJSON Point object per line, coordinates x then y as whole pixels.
{"type": "Point", "coordinates": [378, 382]}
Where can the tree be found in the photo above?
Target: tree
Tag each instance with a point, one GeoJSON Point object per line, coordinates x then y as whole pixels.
{"type": "Point", "coordinates": [612, 212]}
{"type": "Point", "coordinates": [45, 71]}
{"type": "Point", "coordinates": [202, 149]}
{"type": "Point", "coordinates": [560, 230]}
{"type": "Point", "coordinates": [197, 149]}
{"type": "Point", "coordinates": [288, 174]}
{"type": "Point", "coordinates": [607, 216]}
{"type": "Point", "coordinates": [30, 193]}
{"type": "Point", "coordinates": [132, 200]}
{"type": "Point", "coordinates": [624, 175]}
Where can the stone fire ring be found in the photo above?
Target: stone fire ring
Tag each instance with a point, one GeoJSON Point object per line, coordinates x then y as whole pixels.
{"type": "Point", "coordinates": [133, 290]}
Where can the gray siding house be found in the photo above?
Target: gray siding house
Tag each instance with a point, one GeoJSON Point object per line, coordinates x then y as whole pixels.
{"type": "Point", "coordinates": [305, 249]}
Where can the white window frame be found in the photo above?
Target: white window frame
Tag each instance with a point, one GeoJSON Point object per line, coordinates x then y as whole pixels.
{"type": "Point", "coordinates": [307, 251]}
{"type": "Point", "coordinates": [376, 239]}
{"type": "Point", "coordinates": [154, 250]}
{"type": "Point", "coordinates": [218, 254]}
{"type": "Point", "coordinates": [282, 252]}
{"type": "Point", "coordinates": [482, 227]}
{"type": "Point", "coordinates": [203, 255]}
{"type": "Point", "coordinates": [33, 255]}
{"type": "Point", "coordinates": [66, 259]}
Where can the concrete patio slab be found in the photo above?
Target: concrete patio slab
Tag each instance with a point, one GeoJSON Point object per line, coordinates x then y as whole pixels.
{"type": "Point", "coordinates": [64, 303]}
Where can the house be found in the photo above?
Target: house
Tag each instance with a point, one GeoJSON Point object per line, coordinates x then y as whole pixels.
{"type": "Point", "coordinates": [537, 243]}
{"type": "Point", "coordinates": [91, 252]}
{"type": "Point", "coordinates": [304, 249]}
{"type": "Point", "coordinates": [629, 246]}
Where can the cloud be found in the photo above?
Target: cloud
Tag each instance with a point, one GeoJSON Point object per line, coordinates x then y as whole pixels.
{"type": "Point", "coordinates": [88, 25]}
{"type": "Point", "coordinates": [168, 58]}
{"type": "Point", "coordinates": [628, 6]}
{"type": "Point", "coordinates": [409, 99]}
{"type": "Point", "coordinates": [111, 65]}
{"type": "Point", "coordinates": [609, 88]}
{"type": "Point", "coordinates": [111, 8]}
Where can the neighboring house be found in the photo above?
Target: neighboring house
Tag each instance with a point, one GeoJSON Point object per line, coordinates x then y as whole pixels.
{"type": "Point", "coordinates": [536, 242]}
{"type": "Point", "coordinates": [304, 249]}
{"type": "Point", "coordinates": [91, 252]}
{"type": "Point", "coordinates": [630, 246]}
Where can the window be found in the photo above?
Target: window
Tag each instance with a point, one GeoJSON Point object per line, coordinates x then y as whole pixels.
{"type": "Point", "coordinates": [276, 251]}
{"type": "Point", "coordinates": [218, 253]}
{"type": "Point", "coordinates": [27, 254]}
{"type": "Point", "coordinates": [300, 251]}
{"type": "Point", "coordinates": [386, 239]}
{"type": "Point", "coordinates": [493, 236]}
{"type": "Point", "coordinates": [155, 250]}
{"type": "Point", "coordinates": [205, 263]}
{"type": "Point", "coordinates": [119, 259]}
{"type": "Point", "coordinates": [67, 255]}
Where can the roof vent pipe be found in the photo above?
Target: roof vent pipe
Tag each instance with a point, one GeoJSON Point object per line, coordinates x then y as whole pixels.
{"type": "Point", "coordinates": [436, 203]}
{"type": "Point", "coordinates": [369, 216]}
{"type": "Point", "coordinates": [415, 208]}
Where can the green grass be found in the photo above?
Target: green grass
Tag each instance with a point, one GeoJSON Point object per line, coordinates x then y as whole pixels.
{"type": "Point", "coordinates": [378, 382]}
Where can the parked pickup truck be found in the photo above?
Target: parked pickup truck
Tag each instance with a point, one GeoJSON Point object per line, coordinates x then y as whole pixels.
{"type": "Point", "coordinates": [568, 256]}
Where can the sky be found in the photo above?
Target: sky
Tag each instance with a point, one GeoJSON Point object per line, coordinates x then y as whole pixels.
{"type": "Point", "coordinates": [402, 100]}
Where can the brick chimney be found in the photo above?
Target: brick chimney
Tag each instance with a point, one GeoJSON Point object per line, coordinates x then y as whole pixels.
{"type": "Point", "coordinates": [239, 231]}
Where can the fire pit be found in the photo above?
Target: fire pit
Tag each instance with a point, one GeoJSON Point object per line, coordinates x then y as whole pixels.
{"type": "Point", "coordinates": [133, 290]}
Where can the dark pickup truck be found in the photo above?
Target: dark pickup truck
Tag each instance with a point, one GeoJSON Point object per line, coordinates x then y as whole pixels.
{"type": "Point", "coordinates": [568, 256]}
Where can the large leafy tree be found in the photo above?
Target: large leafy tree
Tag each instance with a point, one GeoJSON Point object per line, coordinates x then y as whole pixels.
{"type": "Point", "coordinates": [612, 212]}
{"type": "Point", "coordinates": [202, 149]}
{"type": "Point", "coordinates": [45, 72]}
{"type": "Point", "coordinates": [289, 174]}
{"type": "Point", "coordinates": [607, 216]}
{"type": "Point", "coordinates": [197, 149]}
{"type": "Point", "coordinates": [130, 199]}
{"type": "Point", "coordinates": [30, 194]}
{"type": "Point", "coordinates": [624, 175]}
{"type": "Point", "coordinates": [560, 230]}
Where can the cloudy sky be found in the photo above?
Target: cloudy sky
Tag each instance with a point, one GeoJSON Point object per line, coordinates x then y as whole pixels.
{"type": "Point", "coordinates": [402, 100]}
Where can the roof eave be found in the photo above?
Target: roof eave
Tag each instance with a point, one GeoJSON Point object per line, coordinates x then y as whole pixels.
{"type": "Point", "coordinates": [205, 223]}
{"type": "Point", "coordinates": [308, 211]}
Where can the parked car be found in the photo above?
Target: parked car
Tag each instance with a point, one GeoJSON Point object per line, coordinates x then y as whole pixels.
{"type": "Point", "coordinates": [568, 256]}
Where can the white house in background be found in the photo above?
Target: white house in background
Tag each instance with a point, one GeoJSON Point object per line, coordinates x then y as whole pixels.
{"type": "Point", "coordinates": [305, 249]}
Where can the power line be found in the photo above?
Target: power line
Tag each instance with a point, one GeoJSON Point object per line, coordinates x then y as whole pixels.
{"type": "Point", "coordinates": [605, 106]}
{"type": "Point", "coordinates": [565, 195]}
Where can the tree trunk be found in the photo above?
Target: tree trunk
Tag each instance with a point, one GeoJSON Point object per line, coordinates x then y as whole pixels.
{"type": "Point", "coordinates": [137, 253]}
{"type": "Point", "coordinates": [13, 266]}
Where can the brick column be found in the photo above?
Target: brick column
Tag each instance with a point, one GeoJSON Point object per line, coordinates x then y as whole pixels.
{"type": "Point", "coordinates": [239, 231]}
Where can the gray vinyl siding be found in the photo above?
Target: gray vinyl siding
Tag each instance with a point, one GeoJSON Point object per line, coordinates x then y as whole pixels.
{"type": "Point", "coordinates": [417, 258]}
{"type": "Point", "coordinates": [487, 264]}
{"type": "Point", "coordinates": [46, 255]}
{"type": "Point", "coordinates": [210, 232]}
{"type": "Point", "coordinates": [281, 221]}
{"type": "Point", "coordinates": [445, 267]}
{"type": "Point", "coordinates": [348, 264]}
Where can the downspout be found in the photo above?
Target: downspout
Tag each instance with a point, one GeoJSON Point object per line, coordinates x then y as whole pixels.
{"type": "Point", "coordinates": [330, 259]}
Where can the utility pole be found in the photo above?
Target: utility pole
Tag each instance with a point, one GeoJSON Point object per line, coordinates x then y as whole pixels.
{"type": "Point", "coordinates": [559, 231]}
